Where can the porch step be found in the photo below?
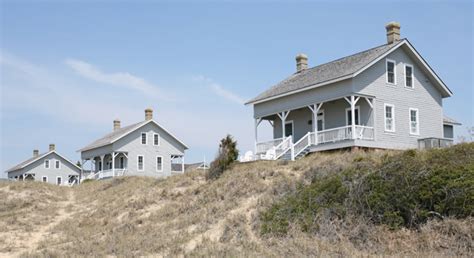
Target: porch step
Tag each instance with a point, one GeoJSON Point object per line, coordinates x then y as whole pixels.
{"type": "Point", "coordinates": [302, 154]}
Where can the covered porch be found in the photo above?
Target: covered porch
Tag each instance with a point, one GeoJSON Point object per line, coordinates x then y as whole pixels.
{"type": "Point", "coordinates": [105, 165]}
{"type": "Point", "coordinates": [344, 119]}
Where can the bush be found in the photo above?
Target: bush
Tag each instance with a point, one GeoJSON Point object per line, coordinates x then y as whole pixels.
{"type": "Point", "coordinates": [228, 153]}
{"type": "Point", "coordinates": [403, 190]}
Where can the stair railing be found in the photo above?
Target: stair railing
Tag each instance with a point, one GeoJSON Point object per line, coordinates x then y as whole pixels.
{"type": "Point", "coordinates": [302, 144]}
{"type": "Point", "coordinates": [283, 147]}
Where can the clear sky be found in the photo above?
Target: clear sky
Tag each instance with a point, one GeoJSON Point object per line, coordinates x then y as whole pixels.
{"type": "Point", "coordinates": [67, 70]}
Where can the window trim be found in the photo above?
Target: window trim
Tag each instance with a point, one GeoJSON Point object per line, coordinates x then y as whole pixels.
{"type": "Point", "coordinates": [58, 162]}
{"type": "Point", "coordinates": [394, 71]}
{"type": "Point", "coordinates": [159, 139]}
{"type": "Point", "coordinates": [146, 138]}
{"type": "Point", "coordinates": [385, 105]}
{"type": "Point", "coordinates": [49, 164]}
{"type": "Point", "coordinates": [357, 109]}
{"type": "Point", "coordinates": [138, 163]}
{"type": "Point", "coordinates": [59, 177]}
{"type": "Point", "coordinates": [43, 179]}
{"type": "Point", "coordinates": [417, 121]}
{"type": "Point", "coordinates": [412, 76]}
{"type": "Point", "coordinates": [323, 119]}
{"type": "Point", "coordinates": [156, 160]}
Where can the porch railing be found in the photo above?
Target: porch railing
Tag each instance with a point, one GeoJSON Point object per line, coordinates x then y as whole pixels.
{"type": "Point", "coordinates": [263, 147]}
{"type": "Point", "coordinates": [283, 147]}
{"type": "Point", "coordinates": [303, 143]}
{"type": "Point", "coordinates": [364, 132]}
{"type": "Point", "coordinates": [334, 134]}
{"type": "Point", "coordinates": [107, 173]}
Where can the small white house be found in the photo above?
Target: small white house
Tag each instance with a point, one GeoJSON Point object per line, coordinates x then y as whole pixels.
{"type": "Point", "coordinates": [386, 97]}
{"type": "Point", "coordinates": [141, 149]}
{"type": "Point", "coordinates": [49, 167]}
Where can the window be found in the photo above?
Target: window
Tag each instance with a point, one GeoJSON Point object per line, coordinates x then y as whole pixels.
{"type": "Point", "coordinates": [389, 114]}
{"type": "Point", "coordinates": [414, 124]}
{"type": "Point", "coordinates": [408, 76]}
{"type": "Point", "coordinates": [100, 165]}
{"type": "Point", "coordinates": [140, 163]}
{"type": "Point", "coordinates": [156, 139]}
{"type": "Point", "coordinates": [159, 164]}
{"type": "Point", "coordinates": [391, 72]}
{"type": "Point", "coordinates": [57, 164]}
{"type": "Point", "coordinates": [46, 163]}
{"type": "Point", "coordinates": [289, 128]}
{"type": "Point", "coordinates": [122, 162]}
{"type": "Point", "coordinates": [349, 116]}
{"type": "Point", "coordinates": [320, 119]}
{"type": "Point", "coordinates": [59, 180]}
{"type": "Point", "coordinates": [44, 179]}
{"type": "Point", "coordinates": [143, 138]}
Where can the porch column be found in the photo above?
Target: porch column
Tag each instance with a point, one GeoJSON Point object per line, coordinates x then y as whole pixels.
{"type": "Point", "coordinates": [113, 163]}
{"type": "Point", "coordinates": [315, 109]}
{"type": "Point", "coordinates": [102, 163]}
{"type": "Point", "coordinates": [257, 122]}
{"type": "Point", "coordinates": [182, 164]}
{"type": "Point", "coordinates": [283, 115]}
{"type": "Point", "coordinates": [371, 103]}
{"type": "Point", "coordinates": [353, 117]}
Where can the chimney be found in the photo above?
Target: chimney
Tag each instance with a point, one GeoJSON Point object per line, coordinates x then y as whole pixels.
{"type": "Point", "coordinates": [301, 62]}
{"type": "Point", "coordinates": [116, 124]}
{"type": "Point", "coordinates": [52, 147]}
{"type": "Point", "coordinates": [148, 114]}
{"type": "Point", "coordinates": [35, 153]}
{"type": "Point", "coordinates": [393, 32]}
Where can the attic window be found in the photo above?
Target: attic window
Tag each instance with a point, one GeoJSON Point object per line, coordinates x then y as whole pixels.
{"type": "Point", "coordinates": [391, 72]}
{"type": "Point", "coordinates": [143, 138]}
{"type": "Point", "coordinates": [156, 139]}
{"type": "Point", "coordinates": [46, 163]}
{"type": "Point", "coordinates": [408, 76]}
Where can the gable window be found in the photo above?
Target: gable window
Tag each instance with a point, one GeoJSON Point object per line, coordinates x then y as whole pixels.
{"type": "Point", "coordinates": [391, 71]}
{"type": "Point", "coordinates": [140, 163]}
{"type": "Point", "coordinates": [414, 123]}
{"type": "Point", "coordinates": [408, 76]}
{"type": "Point", "coordinates": [389, 114]}
{"type": "Point", "coordinates": [159, 163]}
{"type": "Point", "coordinates": [46, 163]}
{"type": "Point", "coordinates": [144, 138]}
{"type": "Point", "coordinates": [57, 164]}
{"type": "Point", "coordinates": [349, 116]}
{"type": "Point", "coordinates": [156, 139]}
{"type": "Point", "coordinates": [44, 179]}
{"type": "Point", "coordinates": [59, 180]}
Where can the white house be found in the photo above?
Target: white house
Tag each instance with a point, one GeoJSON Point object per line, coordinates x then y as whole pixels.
{"type": "Point", "coordinates": [385, 97]}
{"type": "Point", "coordinates": [142, 149]}
{"type": "Point", "coordinates": [49, 167]}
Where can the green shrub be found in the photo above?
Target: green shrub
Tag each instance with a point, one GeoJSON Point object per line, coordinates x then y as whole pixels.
{"type": "Point", "coordinates": [228, 153]}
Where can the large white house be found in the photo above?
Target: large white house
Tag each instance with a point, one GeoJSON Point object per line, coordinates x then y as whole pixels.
{"type": "Point", "coordinates": [141, 149]}
{"type": "Point", "coordinates": [49, 167]}
{"type": "Point", "coordinates": [385, 97]}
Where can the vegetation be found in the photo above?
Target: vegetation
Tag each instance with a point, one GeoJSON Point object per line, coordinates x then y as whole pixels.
{"type": "Point", "coordinates": [402, 190]}
{"type": "Point", "coordinates": [186, 215]}
{"type": "Point", "coordinates": [227, 154]}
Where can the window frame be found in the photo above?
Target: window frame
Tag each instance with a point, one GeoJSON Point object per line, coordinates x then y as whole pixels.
{"type": "Point", "coordinates": [385, 105]}
{"type": "Point", "coordinates": [60, 179]}
{"type": "Point", "coordinates": [159, 139]}
{"type": "Point", "coordinates": [394, 71]}
{"type": "Point", "coordinates": [417, 121]}
{"type": "Point", "coordinates": [146, 138]}
{"type": "Point", "coordinates": [156, 160]}
{"type": "Point", "coordinates": [138, 163]}
{"type": "Point", "coordinates": [43, 179]}
{"type": "Point", "coordinates": [47, 161]}
{"type": "Point", "coordinates": [323, 116]}
{"type": "Point", "coordinates": [412, 76]}
{"type": "Point", "coordinates": [357, 110]}
{"type": "Point", "coordinates": [57, 162]}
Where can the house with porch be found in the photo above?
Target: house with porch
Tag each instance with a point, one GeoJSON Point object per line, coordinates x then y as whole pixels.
{"type": "Point", "coordinates": [386, 97]}
{"type": "Point", "coordinates": [141, 149]}
{"type": "Point", "coordinates": [49, 167]}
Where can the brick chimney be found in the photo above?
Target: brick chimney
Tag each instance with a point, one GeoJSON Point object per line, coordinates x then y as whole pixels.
{"type": "Point", "coordinates": [148, 114]}
{"type": "Point", "coordinates": [52, 147]}
{"type": "Point", "coordinates": [116, 124]}
{"type": "Point", "coordinates": [301, 62]}
{"type": "Point", "coordinates": [393, 32]}
{"type": "Point", "coordinates": [35, 153]}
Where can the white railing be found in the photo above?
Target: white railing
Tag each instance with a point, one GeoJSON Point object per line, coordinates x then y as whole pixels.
{"type": "Point", "coordinates": [303, 143]}
{"type": "Point", "coordinates": [364, 132]}
{"type": "Point", "coordinates": [263, 147]}
{"type": "Point", "coordinates": [334, 134]}
{"type": "Point", "coordinates": [283, 147]}
{"type": "Point", "coordinates": [106, 174]}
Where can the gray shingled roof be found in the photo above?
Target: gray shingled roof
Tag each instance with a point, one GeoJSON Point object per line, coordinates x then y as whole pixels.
{"type": "Point", "coordinates": [22, 164]}
{"type": "Point", "coordinates": [326, 72]}
{"type": "Point", "coordinates": [111, 137]}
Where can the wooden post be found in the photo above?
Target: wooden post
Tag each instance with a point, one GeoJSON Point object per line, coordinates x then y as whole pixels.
{"type": "Point", "coordinates": [352, 117]}
{"type": "Point", "coordinates": [113, 164]}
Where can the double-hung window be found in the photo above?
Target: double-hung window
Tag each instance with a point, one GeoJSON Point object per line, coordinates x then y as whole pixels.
{"type": "Point", "coordinates": [156, 139]}
{"type": "Point", "coordinates": [143, 138]}
{"type": "Point", "coordinates": [59, 180]}
{"type": "Point", "coordinates": [159, 164]}
{"type": "Point", "coordinates": [408, 76]}
{"type": "Point", "coordinates": [414, 121]}
{"type": "Point", "coordinates": [391, 72]}
{"type": "Point", "coordinates": [46, 163]}
{"type": "Point", "coordinates": [389, 117]}
{"type": "Point", "coordinates": [140, 163]}
{"type": "Point", "coordinates": [57, 164]}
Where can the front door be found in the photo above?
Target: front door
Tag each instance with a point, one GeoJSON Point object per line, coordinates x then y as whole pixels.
{"type": "Point", "coordinates": [289, 128]}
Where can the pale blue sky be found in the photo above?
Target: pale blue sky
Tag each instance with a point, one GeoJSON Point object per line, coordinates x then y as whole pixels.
{"type": "Point", "coordinates": [67, 70]}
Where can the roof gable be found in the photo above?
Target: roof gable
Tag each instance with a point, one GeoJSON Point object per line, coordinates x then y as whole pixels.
{"type": "Point", "coordinates": [31, 160]}
{"type": "Point", "coordinates": [342, 69]}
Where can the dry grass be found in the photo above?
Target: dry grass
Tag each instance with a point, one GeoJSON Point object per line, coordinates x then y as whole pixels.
{"type": "Point", "coordinates": [184, 214]}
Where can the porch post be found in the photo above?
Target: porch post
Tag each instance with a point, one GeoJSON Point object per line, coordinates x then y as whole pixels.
{"type": "Point", "coordinates": [353, 117]}
{"type": "Point", "coordinates": [257, 122]}
{"type": "Point", "coordinates": [182, 163]}
{"type": "Point", "coordinates": [283, 115]}
{"type": "Point", "coordinates": [113, 164]}
{"type": "Point", "coordinates": [101, 163]}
